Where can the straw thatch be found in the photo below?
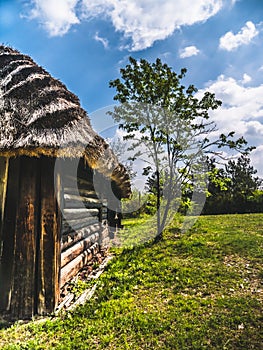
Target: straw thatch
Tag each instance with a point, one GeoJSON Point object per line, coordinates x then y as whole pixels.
{"type": "Point", "coordinates": [39, 116]}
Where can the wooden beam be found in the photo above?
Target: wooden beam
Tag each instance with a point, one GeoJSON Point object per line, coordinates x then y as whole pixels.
{"type": "Point", "coordinates": [72, 237]}
{"type": "Point", "coordinates": [71, 253]}
{"type": "Point", "coordinates": [3, 186]}
{"type": "Point", "coordinates": [83, 192]}
{"type": "Point", "coordinates": [78, 213]}
{"type": "Point", "coordinates": [81, 202]}
{"type": "Point", "coordinates": [50, 233]}
{"type": "Point", "coordinates": [24, 277]}
{"type": "Point", "coordinates": [68, 226]}
{"type": "Point", "coordinates": [8, 235]}
{"type": "Point", "coordinates": [72, 268]}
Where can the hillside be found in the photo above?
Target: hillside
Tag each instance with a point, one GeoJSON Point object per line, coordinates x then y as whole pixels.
{"type": "Point", "coordinates": [199, 290]}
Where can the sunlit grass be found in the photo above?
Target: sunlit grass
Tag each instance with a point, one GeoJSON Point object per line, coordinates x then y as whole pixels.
{"type": "Point", "coordinates": [199, 290]}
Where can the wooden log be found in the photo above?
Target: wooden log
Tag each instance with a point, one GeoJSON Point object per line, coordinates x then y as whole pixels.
{"type": "Point", "coordinates": [71, 253]}
{"type": "Point", "coordinates": [76, 213]}
{"type": "Point", "coordinates": [68, 226]}
{"type": "Point", "coordinates": [8, 235]}
{"type": "Point", "coordinates": [72, 237]}
{"type": "Point", "coordinates": [81, 192]}
{"type": "Point", "coordinates": [26, 232]}
{"type": "Point", "coordinates": [76, 197]}
{"type": "Point", "coordinates": [74, 201]}
{"type": "Point", "coordinates": [72, 268]}
{"type": "Point", "coordinates": [50, 227]}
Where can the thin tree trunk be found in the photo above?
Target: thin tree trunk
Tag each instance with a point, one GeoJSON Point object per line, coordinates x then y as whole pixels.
{"type": "Point", "coordinates": [159, 232]}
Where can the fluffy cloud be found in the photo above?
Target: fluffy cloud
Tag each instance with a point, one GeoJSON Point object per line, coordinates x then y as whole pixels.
{"type": "Point", "coordinates": [189, 51]}
{"type": "Point", "coordinates": [234, 94]}
{"type": "Point", "coordinates": [141, 22]}
{"type": "Point", "coordinates": [241, 111]}
{"type": "Point", "coordinates": [246, 78]}
{"type": "Point", "coordinates": [257, 160]}
{"type": "Point", "coordinates": [56, 16]}
{"type": "Point", "coordinates": [144, 22]}
{"type": "Point", "coordinates": [232, 41]}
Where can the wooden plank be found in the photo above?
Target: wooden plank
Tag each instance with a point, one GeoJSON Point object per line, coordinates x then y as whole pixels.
{"type": "Point", "coordinates": [72, 268]}
{"type": "Point", "coordinates": [83, 192]}
{"type": "Point", "coordinates": [77, 224]}
{"type": "Point", "coordinates": [50, 228]}
{"type": "Point", "coordinates": [71, 253]}
{"type": "Point", "coordinates": [78, 213]}
{"type": "Point", "coordinates": [78, 198]}
{"type": "Point", "coordinates": [72, 237]}
{"type": "Point", "coordinates": [3, 186]}
{"type": "Point", "coordinates": [23, 288]}
{"type": "Point", "coordinates": [79, 204]}
{"type": "Point", "coordinates": [8, 235]}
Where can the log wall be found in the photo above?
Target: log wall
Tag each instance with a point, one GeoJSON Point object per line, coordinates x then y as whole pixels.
{"type": "Point", "coordinates": [84, 224]}
{"type": "Point", "coordinates": [51, 225]}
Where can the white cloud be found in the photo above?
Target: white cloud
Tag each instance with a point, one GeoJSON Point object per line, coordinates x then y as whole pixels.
{"type": "Point", "coordinates": [189, 51]}
{"type": "Point", "coordinates": [257, 160]}
{"type": "Point", "coordinates": [246, 78]}
{"type": "Point", "coordinates": [241, 110]}
{"type": "Point", "coordinates": [143, 22]}
{"type": "Point", "coordinates": [232, 41]}
{"type": "Point", "coordinates": [104, 41]}
{"type": "Point", "coordinates": [56, 16]}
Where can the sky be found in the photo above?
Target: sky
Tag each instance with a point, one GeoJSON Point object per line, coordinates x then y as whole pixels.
{"type": "Point", "coordinates": [84, 43]}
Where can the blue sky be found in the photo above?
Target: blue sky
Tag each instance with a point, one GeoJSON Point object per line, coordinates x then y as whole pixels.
{"type": "Point", "coordinates": [84, 43]}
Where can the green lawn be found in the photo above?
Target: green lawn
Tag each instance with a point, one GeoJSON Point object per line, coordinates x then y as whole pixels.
{"type": "Point", "coordinates": [199, 290]}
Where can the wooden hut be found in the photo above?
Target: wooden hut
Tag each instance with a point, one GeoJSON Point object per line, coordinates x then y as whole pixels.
{"type": "Point", "coordinates": [53, 219]}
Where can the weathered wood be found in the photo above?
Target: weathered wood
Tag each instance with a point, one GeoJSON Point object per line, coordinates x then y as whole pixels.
{"type": "Point", "coordinates": [104, 239]}
{"type": "Point", "coordinates": [74, 236]}
{"type": "Point", "coordinates": [78, 248]}
{"type": "Point", "coordinates": [72, 268]}
{"type": "Point", "coordinates": [103, 213]}
{"type": "Point", "coordinates": [78, 213]}
{"type": "Point", "coordinates": [81, 192]}
{"type": "Point", "coordinates": [50, 228]}
{"type": "Point", "coordinates": [3, 186]}
{"type": "Point", "coordinates": [8, 235]}
{"type": "Point", "coordinates": [72, 201]}
{"type": "Point", "coordinates": [24, 278]}
{"type": "Point", "coordinates": [68, 226]}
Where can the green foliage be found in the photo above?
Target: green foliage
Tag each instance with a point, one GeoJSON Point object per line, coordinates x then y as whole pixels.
{"type": "Point", "coordinates": [160, 113]}
{"type": "Point", "coordinates": [201, 291]}
{"type": "Point", "coordinates": [135, 205]}
{"type": "Point", "coordinates": [234, 188]}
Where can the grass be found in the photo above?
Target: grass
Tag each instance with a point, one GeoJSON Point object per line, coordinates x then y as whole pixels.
{"type": "Point", "coordinates": [199, 290]}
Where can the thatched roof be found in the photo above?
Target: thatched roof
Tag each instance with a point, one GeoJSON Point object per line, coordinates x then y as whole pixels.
{"type": "Point", "coordinates": [39, 116]}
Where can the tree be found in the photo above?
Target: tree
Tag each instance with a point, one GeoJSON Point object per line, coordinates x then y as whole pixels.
{"type": "Point", "coordinates": [234, 188]}
{"type": "Point", "coordinates": [168, 126]}
{"type": "Point", "coordinates": [242, 180]}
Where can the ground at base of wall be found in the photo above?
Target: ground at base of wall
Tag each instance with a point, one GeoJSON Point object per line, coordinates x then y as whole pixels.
{"type": "Point", "coordinates": [81, 284]}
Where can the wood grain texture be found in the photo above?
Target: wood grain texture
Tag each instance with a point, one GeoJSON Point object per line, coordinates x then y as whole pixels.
{"type": "Point", "coordinates": [49, 240]}
{"type": "Point", "coordinates": [8, 235]}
